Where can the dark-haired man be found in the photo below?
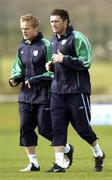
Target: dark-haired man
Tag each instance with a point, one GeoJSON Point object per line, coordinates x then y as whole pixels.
{"type": "Point", "coordinates": [71, 88]}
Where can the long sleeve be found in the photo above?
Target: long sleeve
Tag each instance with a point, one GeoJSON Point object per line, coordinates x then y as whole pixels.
{"type": "Point", "coordinates": [84, 53]}
{"type": "Point", "coordinates": [17, 70]}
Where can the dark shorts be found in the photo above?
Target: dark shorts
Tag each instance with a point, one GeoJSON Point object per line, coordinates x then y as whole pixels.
{"type": "Point", "coordinates": [74, 108]}
{"type": "Point", "coordinates": [32, 116]}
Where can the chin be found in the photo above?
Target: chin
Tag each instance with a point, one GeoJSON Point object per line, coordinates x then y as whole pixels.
{"type": "Point", "coordinates": [55, 32]}
{"type": "Point", "coordinates": [25, 37]}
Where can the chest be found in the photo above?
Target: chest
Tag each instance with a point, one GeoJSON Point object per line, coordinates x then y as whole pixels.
{"type": "Point", "coordinates": [32, 54]}
{"type": "Point", "coordinates": [65, 45]}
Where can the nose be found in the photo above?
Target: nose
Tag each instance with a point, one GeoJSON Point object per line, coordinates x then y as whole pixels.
{"type": "Point", "coordinates": [53, 24]}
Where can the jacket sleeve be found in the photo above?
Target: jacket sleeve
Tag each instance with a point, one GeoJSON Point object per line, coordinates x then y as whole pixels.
{"type": "Point", "coordinates": [84, 53]}
{"type": "Point", "coordinates": [42, 80]}
{"type": "Point", "coordinates": [48, 49]}
{"type": "Point", "coordinates": [18, 70]}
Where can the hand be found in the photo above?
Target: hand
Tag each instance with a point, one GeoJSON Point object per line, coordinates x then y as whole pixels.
{"type": "Point", "coordinates": [49, 66]}
{"type": "Point", "coordinates": [27, 84]}
{"type": "Point", "coordinates": [12, 82]}
{"type": "Point", "coordinates": [58, 58]}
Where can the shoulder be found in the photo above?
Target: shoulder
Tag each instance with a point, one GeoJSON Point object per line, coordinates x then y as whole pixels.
{"type": "Point", "coordinates": [80, 37]}
{"type": "Point", "coordinates": [21, 48]}
{"type": "Point", "coordinates": [22, 45]}
{"type": "Point", "coordinates": [78, 33]}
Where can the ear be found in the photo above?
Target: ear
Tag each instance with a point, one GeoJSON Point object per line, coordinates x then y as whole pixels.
{"type": "Point", "coordinates": [66, 23]}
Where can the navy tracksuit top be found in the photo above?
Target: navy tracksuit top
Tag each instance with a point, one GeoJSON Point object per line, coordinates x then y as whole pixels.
{"type": "Point", "coordinates": [70, 76]}
{"type": "Point", "coordinates": [30, 62]}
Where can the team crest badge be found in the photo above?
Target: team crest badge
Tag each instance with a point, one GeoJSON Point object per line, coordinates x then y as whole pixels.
{"type": "Point", "coordinates": [63, 41]}
{"type": "Point", "coordinates": [22, 52]}
{"type": "Point", "coordinates": [35, 52]}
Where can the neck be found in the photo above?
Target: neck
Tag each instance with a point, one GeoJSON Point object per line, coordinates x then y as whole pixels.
{"type": "Point", "coordinates": [61, 33]}
{"type": "Point", "coordinates": [30, 40]}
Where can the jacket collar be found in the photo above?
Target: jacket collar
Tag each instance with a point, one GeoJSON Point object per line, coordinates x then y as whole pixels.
{"type": "Point", "coordinates": [68, 31]}
{"type": "Point", "coordinates": [38, 37]}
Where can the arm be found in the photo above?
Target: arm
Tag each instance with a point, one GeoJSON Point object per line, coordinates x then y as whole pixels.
{"type": "Point", "coordinates": [17, 74]}
{"type": "Point", "coordinates": [41, 80]}
{"type": "Point", "coordinates": [49, 64]}
{"type": "Point", "coordinates": [83, 51]}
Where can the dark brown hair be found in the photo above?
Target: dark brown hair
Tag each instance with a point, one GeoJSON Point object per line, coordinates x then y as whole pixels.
{"type": "Point", "coordinates": [62, 13]}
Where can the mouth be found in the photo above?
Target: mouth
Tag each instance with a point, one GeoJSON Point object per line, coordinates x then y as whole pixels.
{"type": "Point", "coordinates": [24, 34]}
{"type": "Point", "coordinates": [54, 28]}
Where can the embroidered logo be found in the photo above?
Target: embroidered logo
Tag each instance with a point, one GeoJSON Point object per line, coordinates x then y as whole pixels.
{"type": "Point", "coordinates": [22, 52]}
{"type": "Point", "coordinates": [63, 41]}
{"type": "Point", "coordinates": [35, 52]}
{"type": "Point", "coordinates": [81, 107]}
{"type": "Point", "coordinates": [56, 170]}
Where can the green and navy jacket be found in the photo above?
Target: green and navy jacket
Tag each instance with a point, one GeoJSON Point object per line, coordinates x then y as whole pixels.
{"type": "Point", "coordinates": [30, 65]}
{"type": "Point", "coordinates": [72, 75]}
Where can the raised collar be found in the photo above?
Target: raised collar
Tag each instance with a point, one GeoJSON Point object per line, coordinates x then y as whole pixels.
{"type": "Point", "coordinates": [38, 37]}
{"type": "Point", "coordinates": [68, 31]}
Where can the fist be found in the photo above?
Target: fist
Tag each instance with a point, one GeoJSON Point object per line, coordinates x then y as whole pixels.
{"type": "Point", "coordinates": [12, 82]}
{"type": "Point", "coordinates": [49, 66]}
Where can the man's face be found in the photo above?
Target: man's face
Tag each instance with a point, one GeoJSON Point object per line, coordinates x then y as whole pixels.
{"type": "Point", "coordinates": [28, 31]}
{"type": "Point", "coordinates": [58, 25]}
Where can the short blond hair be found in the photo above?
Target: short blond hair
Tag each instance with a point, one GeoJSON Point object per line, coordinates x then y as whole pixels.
{"type": "Point", "coordinates": [30, 18]}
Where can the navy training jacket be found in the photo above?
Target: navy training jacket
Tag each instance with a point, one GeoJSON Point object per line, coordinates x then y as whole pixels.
{"type": "Point", "coordinates": [30, 62]}
{"type": "Point", "coordinates": [72, 75]}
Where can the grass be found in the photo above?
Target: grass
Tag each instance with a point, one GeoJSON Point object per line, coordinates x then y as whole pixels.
{"type": "Point", "coordinates": [13, 157]}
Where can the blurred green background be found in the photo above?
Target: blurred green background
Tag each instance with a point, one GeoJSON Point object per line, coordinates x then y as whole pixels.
{"type": "Point", "coordinates": [91, 17]}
